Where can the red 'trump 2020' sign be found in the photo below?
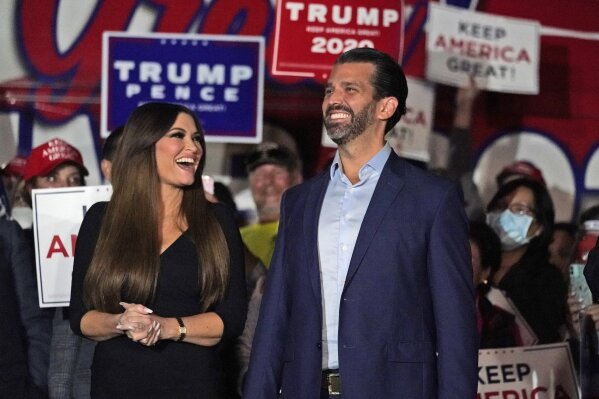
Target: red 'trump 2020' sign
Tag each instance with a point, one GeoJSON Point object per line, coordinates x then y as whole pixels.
{"type": "Point", "coordinates": [310, 36]}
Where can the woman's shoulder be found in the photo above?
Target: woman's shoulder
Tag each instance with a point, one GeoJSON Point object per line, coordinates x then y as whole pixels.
{"type": "Point", "coordinates": [96, 211]}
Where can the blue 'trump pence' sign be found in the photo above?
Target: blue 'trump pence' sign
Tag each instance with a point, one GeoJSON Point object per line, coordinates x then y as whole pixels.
{"type": "Point", "coordinates": [219, 77]}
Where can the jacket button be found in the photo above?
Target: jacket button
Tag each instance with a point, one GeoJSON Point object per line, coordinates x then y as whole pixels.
{"type": "Point", "coordinates": [319, 346]}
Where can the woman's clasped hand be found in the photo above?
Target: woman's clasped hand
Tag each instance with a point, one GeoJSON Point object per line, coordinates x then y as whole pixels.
{"type": "Point", "coordinates": [138, 325]}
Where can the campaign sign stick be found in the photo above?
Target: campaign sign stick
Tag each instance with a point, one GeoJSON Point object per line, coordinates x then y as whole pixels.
{"type": "Point", "coordinates": [57, 216]}
{"type": "Point", "coordinates": [309, 36]}
{"type": "Point", "coordinates": [219, 77]}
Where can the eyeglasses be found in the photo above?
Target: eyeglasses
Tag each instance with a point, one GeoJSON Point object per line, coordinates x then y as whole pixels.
{"type": "Point", "coordinates": [521, 209]}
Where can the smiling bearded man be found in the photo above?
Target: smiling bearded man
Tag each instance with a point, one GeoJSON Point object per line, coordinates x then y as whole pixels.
{"type": "Point", "coordinates": [369, 292]}
{"type": "Point", "coordinates": [342, 133]}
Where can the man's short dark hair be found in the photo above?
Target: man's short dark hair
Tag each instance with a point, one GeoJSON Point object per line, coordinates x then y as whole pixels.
{"type": "Point", "coordinates": [111, 143]}
{"type": "Point", "coordinates": [388, 79]}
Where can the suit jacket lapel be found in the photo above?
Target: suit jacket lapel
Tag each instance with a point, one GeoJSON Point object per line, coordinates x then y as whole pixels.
{"type": "Point", "coordinates": [389, 185]}
{"type": "Point", "coordinates": [311, 215]}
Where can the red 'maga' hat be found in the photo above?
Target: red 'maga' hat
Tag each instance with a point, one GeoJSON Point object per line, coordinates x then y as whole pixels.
{"type": "Point", "coordinates": [44, 158]}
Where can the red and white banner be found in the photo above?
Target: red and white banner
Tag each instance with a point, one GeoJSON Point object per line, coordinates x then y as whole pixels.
{"type": "Point", "coordinates": [310, 36]}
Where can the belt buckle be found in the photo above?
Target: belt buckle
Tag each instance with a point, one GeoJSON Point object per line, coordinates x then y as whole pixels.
{"type": "Point", "coordinates": [334, 384]}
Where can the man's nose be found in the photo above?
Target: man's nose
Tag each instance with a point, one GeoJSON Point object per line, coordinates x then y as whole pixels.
{"type": "Point", "coordinates": [334, 97]}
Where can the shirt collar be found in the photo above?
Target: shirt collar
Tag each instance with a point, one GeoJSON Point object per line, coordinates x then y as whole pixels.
{"type": "Point", "coordinates": [377, 162]}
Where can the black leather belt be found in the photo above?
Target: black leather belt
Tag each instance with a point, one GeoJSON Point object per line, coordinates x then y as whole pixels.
{"type": "Point", "coordinates": [331, 381]}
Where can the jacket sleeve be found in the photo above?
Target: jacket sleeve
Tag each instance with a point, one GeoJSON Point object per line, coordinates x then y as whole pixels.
{"type": "Point", "coordinates": [450, 277]}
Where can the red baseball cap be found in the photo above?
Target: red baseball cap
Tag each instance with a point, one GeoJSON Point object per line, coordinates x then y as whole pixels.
{"type": "Point", "coordinates": [44, 158]}
{"type": "Point", "coordinates": [14, 167]}
{"type": "Point", "coordinates": [518, 169]}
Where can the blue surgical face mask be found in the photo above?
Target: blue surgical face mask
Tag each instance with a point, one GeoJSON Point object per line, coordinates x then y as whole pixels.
{"type": "Point", "coordinates": [511, 228]}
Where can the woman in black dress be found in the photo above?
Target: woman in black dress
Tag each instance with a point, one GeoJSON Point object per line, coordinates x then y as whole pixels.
{"type": "Point", "coordinates": [158, 275]}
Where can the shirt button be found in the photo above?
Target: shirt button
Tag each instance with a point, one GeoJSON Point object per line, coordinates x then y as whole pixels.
{"type": "Point", "coordinates": [344, 247]}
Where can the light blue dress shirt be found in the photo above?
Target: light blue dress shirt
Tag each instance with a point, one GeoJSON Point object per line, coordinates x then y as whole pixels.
{"type": "Point", "coordinates": [340, 220]}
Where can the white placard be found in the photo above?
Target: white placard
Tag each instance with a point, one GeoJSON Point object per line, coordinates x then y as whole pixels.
{"type": "Point", "coordinates": [410, 137]}
{"type": "Point", "coordinates": [542, 371]}
{"type": "Point", "coordinates": [501, 53]}
{"type": "Point", "coordinates": [57, 216]}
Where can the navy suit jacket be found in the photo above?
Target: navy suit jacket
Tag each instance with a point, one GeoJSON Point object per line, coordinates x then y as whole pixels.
{"type": "Point", "coordinates": [407, 324]}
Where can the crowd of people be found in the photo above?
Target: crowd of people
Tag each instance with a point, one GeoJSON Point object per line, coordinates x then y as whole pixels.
{"type": "Point", "coordinates": [375, 278]}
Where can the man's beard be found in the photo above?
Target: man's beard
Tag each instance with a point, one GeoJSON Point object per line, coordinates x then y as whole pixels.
{"type": "Point", "coordinates": [343, 133]}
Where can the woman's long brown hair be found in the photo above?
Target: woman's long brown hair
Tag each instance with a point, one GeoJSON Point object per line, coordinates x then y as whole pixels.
{"type": "Point", "coordinates": [126, 260]}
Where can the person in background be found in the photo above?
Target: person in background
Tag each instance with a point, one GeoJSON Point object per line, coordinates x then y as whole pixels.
{"type": "Point", "coordinates": [223, 194]}
{"type": "Point", "coordinates": [34, 326]}
{"type": "Point", "coordinates": [369, 293]}
{"type": "Point", "coordinates": [521, 213]}
{"type": "Point", "coordinates": [584, 308]}
{"type": "Point", "coordinates": [13, 358]}
{"type": "Point", "coordinates": [108, 150]}
{"type": "Point", "coordinates": [586, 252]}
{"type": "Point", "coordinates": [12, 174]}
{"type": "Point", "coordinates": [56, 164]}
{"type": "Point", "coordinates": [158, 273]}
{"type": "Point", "coordinates": [496, 327]}
{"type": "Point", "coordinates": [460, 165]}
{"type": "Point", "coordinates": [4, 203]}
{"type": "Point", "coordinates": [562, 246]}
{"type": "Point", "coordinates": [272, 169]}
{"type": "Point", "coordinates": [522, 169]}
{"type": "Point", "coordinates": [591, 270]}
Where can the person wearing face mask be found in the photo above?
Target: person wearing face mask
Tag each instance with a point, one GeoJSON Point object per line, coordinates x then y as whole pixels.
{"type": "Point", "coordinates": [521, 213]}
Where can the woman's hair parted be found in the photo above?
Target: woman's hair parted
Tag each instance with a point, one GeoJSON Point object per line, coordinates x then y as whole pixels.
{"type": "Point", "coordinates": [126, 260]}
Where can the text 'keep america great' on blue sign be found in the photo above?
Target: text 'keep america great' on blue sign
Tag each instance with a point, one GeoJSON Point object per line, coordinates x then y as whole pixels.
{"type": "Point", "coordinates": [219, 77]}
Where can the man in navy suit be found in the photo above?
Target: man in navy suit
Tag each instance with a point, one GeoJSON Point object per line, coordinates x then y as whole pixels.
{"type": "Point", "coordinates": [369, 294]}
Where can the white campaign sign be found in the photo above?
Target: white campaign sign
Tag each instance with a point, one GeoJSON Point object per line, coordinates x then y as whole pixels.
{"type": "Point", "coordinates": [57, 216]}
{"type": "Point", "coordinates": [528, 372]}
{"type": "Point", "coordinates": [411, 136]}
{"type": "Point", "coordinates": [502, 54]}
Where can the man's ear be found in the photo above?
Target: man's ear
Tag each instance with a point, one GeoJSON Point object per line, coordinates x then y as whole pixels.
{"type": "Point", "coordinates": [387, 107]}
